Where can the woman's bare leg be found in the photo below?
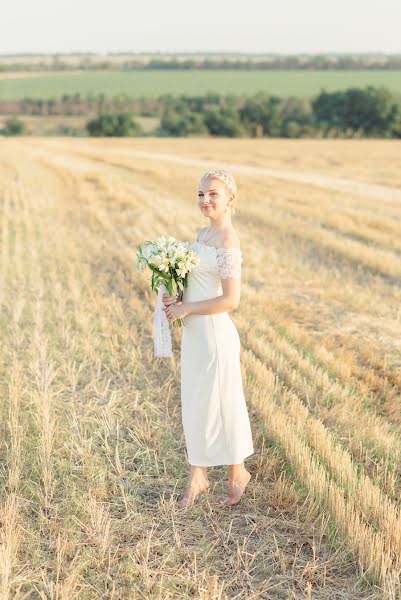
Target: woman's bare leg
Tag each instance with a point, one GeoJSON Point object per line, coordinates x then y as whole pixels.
{"type": "Point", "coordinates": [198, 483]}
{"type": "Point", "coordinates": [238, 479]}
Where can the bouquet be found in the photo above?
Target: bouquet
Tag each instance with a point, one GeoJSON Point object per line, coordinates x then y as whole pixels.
{"type": "Point", "coordinates": [170, 262]}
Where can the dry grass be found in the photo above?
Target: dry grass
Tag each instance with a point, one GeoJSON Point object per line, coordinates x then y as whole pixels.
{"type": "Point", "coordinates": [91, 442]}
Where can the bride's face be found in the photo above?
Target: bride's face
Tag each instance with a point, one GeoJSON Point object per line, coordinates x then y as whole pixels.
{"type": "Point", "coordinates": [213, 197]}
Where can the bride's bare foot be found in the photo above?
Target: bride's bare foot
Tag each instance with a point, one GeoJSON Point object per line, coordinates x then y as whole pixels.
{"type": "Point", "coordinates": [198, 483]}
{"type": "Point", "coordinates": [235, 488]}
{"type": "Point", "coordinates": [191, 492]}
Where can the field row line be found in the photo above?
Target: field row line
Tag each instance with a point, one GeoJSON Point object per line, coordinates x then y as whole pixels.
{"type": "Point", "coordinates": [323, 395]}
{"type": "Point", "coordinates": [377, 559]}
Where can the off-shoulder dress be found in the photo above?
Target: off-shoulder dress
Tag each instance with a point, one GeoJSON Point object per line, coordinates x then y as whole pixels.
{"type": "Point", "coordinates": [214, 412]}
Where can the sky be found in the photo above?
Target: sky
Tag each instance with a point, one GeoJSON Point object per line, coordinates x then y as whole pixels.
{"type": "Point", "coordinates": [286, 26]}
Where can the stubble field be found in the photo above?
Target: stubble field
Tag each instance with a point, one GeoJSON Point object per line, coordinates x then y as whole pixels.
{"type": "Point", "coordinates": [92, 453]}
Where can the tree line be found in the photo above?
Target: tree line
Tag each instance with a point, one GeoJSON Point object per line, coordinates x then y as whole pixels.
{"type": "Point", "coordinates": [267, 62]}
{"type": "Point", "coordinates": [80, 104]}
{"type": "Point", "coordinates": [354, 112]}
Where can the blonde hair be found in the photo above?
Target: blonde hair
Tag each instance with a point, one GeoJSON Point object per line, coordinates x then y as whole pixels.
{"type": "Point", "coordinates": [228, 179]}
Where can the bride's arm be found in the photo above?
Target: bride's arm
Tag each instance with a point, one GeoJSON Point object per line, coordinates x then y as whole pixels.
{"type": "Point", "coordinates": [229, 260]}
{"type": "Point", "coordinates": [229, 300]}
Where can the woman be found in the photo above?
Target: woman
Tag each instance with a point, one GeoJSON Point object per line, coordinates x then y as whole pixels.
{"type": "Point", "coordinates": [215, 417]}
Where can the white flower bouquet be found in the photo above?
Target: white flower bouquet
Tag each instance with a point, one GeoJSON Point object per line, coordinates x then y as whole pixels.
{"type": "Point", "coordinates": [170, 262]}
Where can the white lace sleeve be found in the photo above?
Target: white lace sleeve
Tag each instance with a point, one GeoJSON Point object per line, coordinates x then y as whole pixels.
{"type": "Point", "coordinates": [229, 262]}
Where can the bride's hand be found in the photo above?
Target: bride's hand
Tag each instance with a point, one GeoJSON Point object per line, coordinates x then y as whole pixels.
{"type": "Point", "coordinates": [170, 299]}
{"type": "Point", "coordinates": [175, 311]}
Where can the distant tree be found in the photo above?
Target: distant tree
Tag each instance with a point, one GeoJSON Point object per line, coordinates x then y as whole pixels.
{"type": "Point", "coordinates": [14, 126]}
{"type": "Point", "coordinates": [291, 129]}
{"type": "Point", "coordinates": [262, 110]}
{"type": "Point", "coordinates": [224, 121]}
{"type": "Point", "coordinates": [251, 115]}
{"type": "Point", "coordinates": [374, 110]}
{"type": "Point", "coordinates": [295, 114]}
{"type": "Point", "coordinates": [296, 109]}
{"type": "Point", "coordinates": [51, 103]}
{"type": "Point", "coordinates": [120, 101]}
{"type": "Point", "coordinates": [370, 109]}
{"type": "Point", "coordinates": [397, 122]}
{"type": "Point", "coordinates": [182, 124]}
{"type": "Point", "coordinates": [113, 125]}
{"type": "Point", "coordinates": [101, 102]}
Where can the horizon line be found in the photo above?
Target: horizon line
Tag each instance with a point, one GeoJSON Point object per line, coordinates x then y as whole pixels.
{"type": "Point", "coordinates": [193, 53]}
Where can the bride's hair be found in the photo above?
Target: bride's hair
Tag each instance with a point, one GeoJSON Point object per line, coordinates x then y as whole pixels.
{"type": "Point", "coordinates": [228, 179]}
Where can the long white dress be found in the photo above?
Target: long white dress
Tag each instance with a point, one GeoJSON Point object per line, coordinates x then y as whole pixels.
{"type": "Point", "coordinates": [214, 412]}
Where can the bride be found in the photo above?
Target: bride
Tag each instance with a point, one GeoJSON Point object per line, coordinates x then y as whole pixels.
{"type": "Point", "coordinates": [214, 412]}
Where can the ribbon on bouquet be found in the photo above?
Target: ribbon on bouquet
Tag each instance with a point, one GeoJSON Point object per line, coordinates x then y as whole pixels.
{"type": "Point", "coordinates": [161, 327]}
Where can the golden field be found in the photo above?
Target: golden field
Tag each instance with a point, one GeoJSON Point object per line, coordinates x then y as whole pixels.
{"type": "Point", "coordinates": [92, 453]}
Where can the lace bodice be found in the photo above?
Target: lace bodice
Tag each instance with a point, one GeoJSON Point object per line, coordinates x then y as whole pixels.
{"type": "Point", "coordinates": [204, 282]}
{"type": "Point", "coordinates": [229, 262]}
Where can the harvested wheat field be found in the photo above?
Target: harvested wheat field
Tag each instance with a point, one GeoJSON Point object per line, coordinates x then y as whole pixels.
{"type": "Point", "coordinates": [92, 453]}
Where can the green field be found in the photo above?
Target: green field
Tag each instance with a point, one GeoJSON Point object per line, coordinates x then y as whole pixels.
{"type": "Point", "coordinates": [153, 83]}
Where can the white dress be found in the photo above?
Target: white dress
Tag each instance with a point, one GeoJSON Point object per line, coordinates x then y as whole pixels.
{"type": "Point", "coordinates": [214, 412]}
